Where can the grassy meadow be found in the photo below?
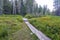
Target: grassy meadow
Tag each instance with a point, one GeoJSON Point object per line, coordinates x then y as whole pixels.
{"type": "Point", "coordinates": [49, 25]}
{"type": "Point", "coordinates": [8, 25]}
{"type": "Point", "coordinates": [12, 27]}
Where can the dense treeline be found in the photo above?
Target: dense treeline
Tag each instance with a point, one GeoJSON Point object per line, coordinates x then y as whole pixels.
{"type": "Point", "coordinates": [23, 7]}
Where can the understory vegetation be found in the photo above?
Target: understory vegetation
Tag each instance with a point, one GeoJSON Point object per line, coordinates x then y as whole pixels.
{"type": "Point", "coordinates": [8, 25]}
{"type": "Point", "coordinates": [12, 27]}
{"type": "Point", "coordinates": [49, 25]}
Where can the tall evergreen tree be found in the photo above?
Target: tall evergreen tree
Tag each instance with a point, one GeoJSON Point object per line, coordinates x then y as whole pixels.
{"type": "Point", "coordinates": [22, 8]}
{"type": "Point", "coordinates": [6, 7]}
{"type": "Point", "coordinates": [29, 6]}
{"type": "Point", "coordinates": [44, 9]}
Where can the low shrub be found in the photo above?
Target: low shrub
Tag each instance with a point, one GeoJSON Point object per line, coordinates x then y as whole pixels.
{"type": "Point", "coordinates": [29, 16]}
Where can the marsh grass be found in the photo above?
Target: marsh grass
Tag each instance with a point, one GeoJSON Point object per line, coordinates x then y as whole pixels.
{"type": "Point", "coordinates": [49, 25]}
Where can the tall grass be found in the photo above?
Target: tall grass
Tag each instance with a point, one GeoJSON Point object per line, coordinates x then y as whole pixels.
{"type": "Point", "coordinates": [8, 25]}
{"type": "Point", "coordinates": [49, 25]}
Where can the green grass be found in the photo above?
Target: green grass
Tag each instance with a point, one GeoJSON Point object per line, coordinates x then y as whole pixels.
{"type": "Point", "coordinates": [12, 27]}
{"type": "Point", "coordinates": [23, 34]}
{"type": "Point", "coordinates": [8, 25]}
{"type": "Point", "coordinates": [49, 25]}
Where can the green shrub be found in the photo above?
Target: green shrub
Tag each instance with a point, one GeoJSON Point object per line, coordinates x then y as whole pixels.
{"type": "Point", "coordinates": [29, 16]}
{"type": "Point", "coordinates": [3, 33]}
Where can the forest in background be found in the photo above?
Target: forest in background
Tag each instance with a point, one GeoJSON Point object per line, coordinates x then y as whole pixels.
{"type": "Point", "coordinates": [23, 7]}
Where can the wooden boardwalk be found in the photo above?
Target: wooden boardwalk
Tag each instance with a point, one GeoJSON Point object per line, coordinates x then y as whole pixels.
{"type": "Point", "coordinates": [38, 33]}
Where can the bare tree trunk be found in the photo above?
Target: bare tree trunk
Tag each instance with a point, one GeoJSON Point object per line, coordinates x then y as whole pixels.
{"type": "Point", "coordinates": [14, 6]}
{"type": "Point", "coordinates": [1, 6]}
{"type": "Point", "coordinates": [19, 5]}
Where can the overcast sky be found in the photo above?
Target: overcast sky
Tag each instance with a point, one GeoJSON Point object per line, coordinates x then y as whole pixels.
{"type": "Point", "coordinates": [49, 3]}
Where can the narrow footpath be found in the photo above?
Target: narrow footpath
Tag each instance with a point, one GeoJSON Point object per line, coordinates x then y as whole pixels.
{"type": "Point", "coordinates": [38, 33]}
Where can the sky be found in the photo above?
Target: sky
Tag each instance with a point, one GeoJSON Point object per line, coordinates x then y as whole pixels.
{"type": "Point", "coordinates": [49, 3]}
